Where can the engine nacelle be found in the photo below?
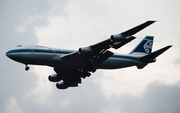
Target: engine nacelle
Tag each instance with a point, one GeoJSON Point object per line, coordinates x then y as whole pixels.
{"type": "Point", "coordinates": [85, 51]}
{"type": "Point", "coordinates": [62, 85]}
{"type": "Point", "coordinates": [116, 37]}
{"type": "Point", "coordinates": [54, 78]}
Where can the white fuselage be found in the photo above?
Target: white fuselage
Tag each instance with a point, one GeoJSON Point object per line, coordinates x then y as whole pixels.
{"type": "Point", "coordinates": [40, 55]}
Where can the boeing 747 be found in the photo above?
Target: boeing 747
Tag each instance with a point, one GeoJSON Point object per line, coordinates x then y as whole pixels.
{"type": "Point", "coordinates": [70, 65]}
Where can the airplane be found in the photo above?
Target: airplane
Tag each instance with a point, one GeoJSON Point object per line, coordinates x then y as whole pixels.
{"type": "Point", "coordinates": [71, 66]}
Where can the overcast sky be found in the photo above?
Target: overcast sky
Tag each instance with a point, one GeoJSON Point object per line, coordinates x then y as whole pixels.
{"type": "Point", "coordinates": [71, 24]}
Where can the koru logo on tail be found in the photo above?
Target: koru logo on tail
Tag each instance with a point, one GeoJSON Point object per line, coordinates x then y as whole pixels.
{"type": "Point", "coordinates": [148, 46]}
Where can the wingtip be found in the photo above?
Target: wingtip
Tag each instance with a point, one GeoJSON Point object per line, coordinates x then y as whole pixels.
{"type": "Point", "coordinates": [170, 46]}
{"type": "Point", "coordinates": [151, 21]}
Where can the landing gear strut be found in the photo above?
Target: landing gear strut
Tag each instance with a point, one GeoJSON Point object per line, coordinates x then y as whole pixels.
{"type": "Point", "coordinates": [27, 68]}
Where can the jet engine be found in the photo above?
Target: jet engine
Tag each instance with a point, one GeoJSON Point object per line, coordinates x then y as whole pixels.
{"type": "Point", "coordinates": [116, 38]}
{"type": "Point", "coordinates": [85, 51]}
{"type": "Point", "coordinates": [54, 78]}
{"type": "Point", "coordinates": [62, 85]}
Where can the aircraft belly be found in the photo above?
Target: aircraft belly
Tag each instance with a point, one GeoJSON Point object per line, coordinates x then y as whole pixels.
{"type": "Point", "coordinates": [114, 63]}
{"type": "Point", "coordinates": [66, 64]}
{"type": "Point", "coordinates": [51, 60]}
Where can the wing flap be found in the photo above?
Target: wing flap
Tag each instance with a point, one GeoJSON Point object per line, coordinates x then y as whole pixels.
{"type": "Point", "coordinates": [100, 58]}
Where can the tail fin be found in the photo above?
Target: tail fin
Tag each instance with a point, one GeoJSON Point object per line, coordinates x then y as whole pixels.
{"type": "Point", "coordinates": [144, 47]}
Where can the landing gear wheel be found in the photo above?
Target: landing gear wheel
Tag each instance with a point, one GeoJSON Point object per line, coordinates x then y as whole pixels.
{"type": "Point", "coordinates": [27, 68]}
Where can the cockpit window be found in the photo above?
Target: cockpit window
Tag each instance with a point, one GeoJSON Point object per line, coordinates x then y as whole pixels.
{"type": "Point", "coordinates": [19, 46]}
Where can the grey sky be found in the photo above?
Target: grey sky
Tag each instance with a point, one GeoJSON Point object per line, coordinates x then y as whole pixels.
{"type": "Point", "coordinates": [73, 24]}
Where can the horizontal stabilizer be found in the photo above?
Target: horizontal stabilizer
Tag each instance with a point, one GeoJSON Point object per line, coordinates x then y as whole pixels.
{"type": "Point", "coordinates": [156, 53]}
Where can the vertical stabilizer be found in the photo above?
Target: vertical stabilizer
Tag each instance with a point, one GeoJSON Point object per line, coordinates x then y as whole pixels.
{"type": "Point", "coordinates": [144, 47]}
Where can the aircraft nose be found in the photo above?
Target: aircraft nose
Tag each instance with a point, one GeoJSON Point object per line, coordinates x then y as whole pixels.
{"type": "Point", "coordinates": [10, 54]}
{"type": "Point", "coordinates": [7, 54]}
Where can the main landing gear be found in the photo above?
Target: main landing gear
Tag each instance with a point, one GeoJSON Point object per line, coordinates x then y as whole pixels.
{"type": "Point", "coordinates": [27, 68]}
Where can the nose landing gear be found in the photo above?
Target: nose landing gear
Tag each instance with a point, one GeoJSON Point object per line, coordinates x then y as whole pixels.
{"type": "Point", "coordinates": [27, 68]}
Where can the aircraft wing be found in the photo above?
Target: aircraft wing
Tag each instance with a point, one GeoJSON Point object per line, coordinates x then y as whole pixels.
{"type": "Point", "coordinates": [95, 55]}
{"type": "Point", "coordinates": [98, 53]}
{"type": "Point", "coordinates": [118, 40]}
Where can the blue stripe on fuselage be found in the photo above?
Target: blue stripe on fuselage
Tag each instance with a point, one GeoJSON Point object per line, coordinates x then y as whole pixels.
{"type": "Point", "coordinates": [63, 52]}
{"type": "Point", "coordinates": [38, 51]}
